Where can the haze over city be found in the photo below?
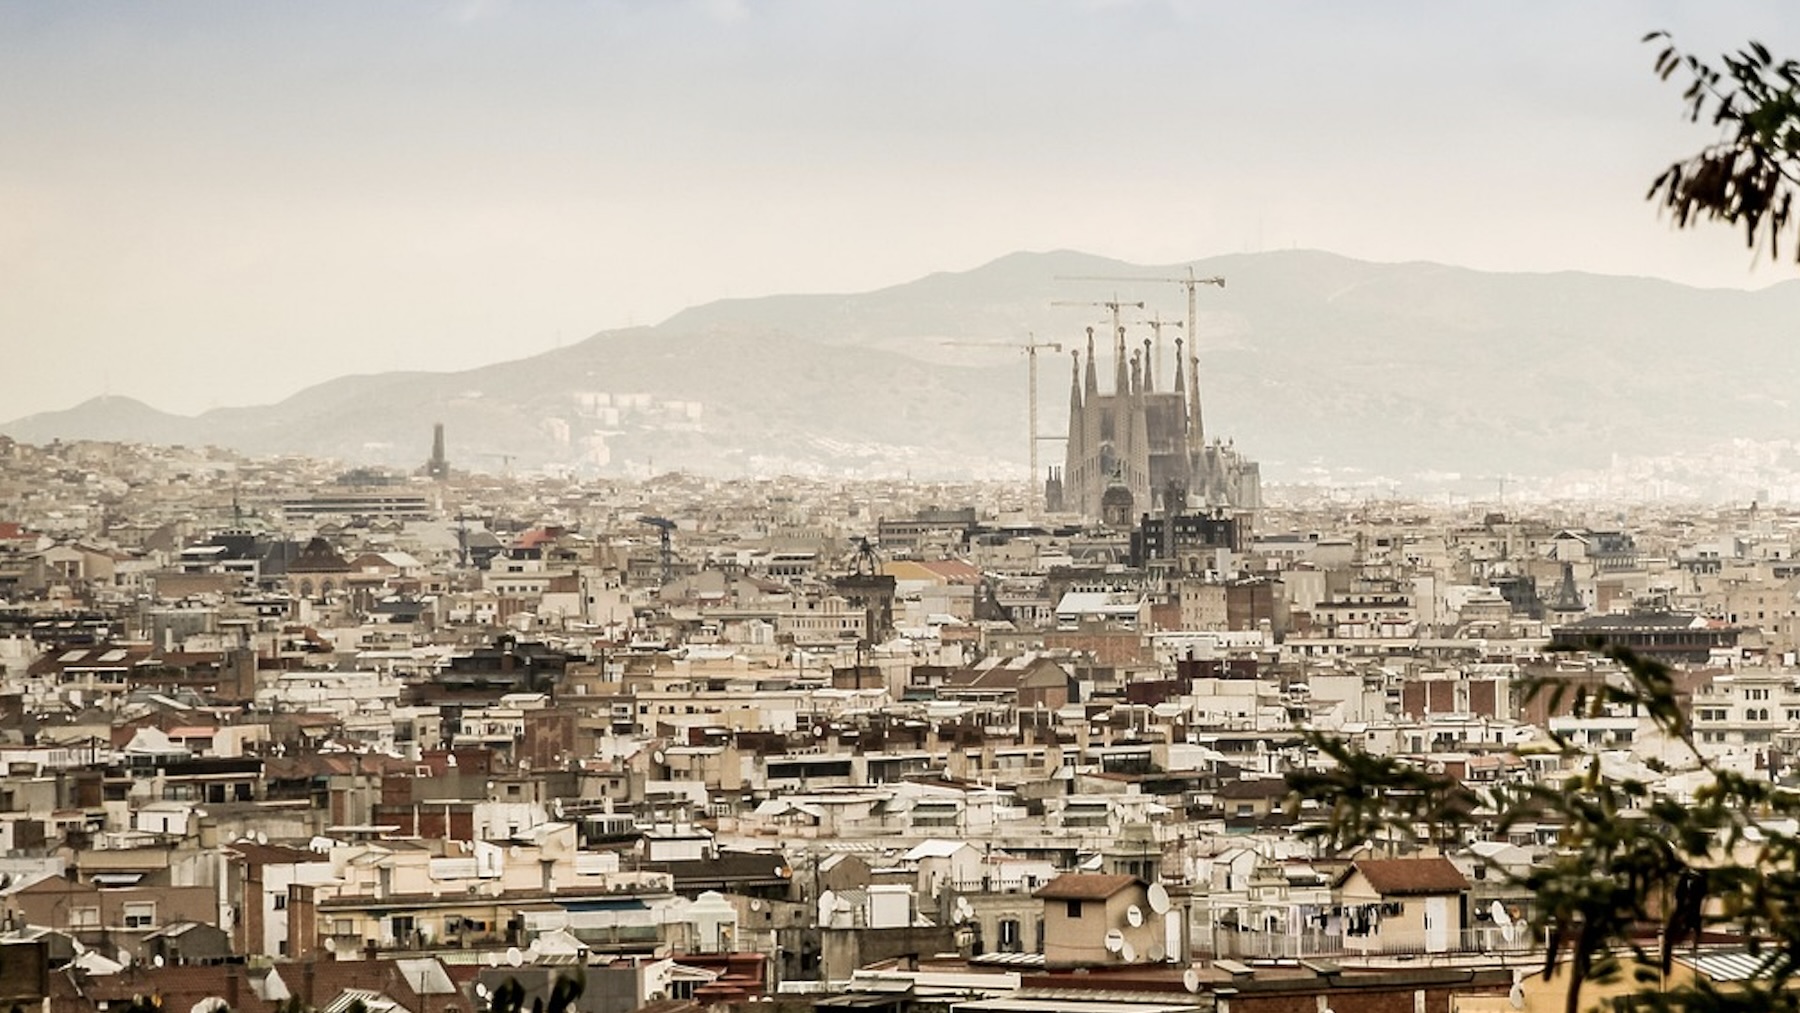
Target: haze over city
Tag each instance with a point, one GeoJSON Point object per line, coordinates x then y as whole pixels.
{"type": "Point", "coordinates": [218, 204]}
{"type": "Point", "coordinates": [1081, 506]}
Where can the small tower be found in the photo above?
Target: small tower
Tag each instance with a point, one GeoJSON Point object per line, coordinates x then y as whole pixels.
{"type": "Point", "coordinates": [1117, 503]}
{"type": "Point", "coordinates": [439, 466]}
{"type": "Point", "coordinates": [1053, 491]}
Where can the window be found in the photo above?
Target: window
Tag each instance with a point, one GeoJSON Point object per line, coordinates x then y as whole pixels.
{"type": "Point", "coordinates": [84, 917]}
{"type": "Point", "coordinates": [1011, 939]}
{"type": "Point", "coordinates": [281, 902]}
{"type": "Point", "coordinates": [140, 915]}
{"type": "Point", "coordinates": [1073, 910]}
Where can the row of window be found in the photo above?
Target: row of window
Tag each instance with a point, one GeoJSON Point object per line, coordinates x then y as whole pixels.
{"type": "Point", "coordinates": [1750, 714]}
{"type": "Point", "coordinates": [137, 915]}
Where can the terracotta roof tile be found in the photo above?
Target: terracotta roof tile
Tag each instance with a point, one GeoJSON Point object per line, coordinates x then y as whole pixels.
{"type": "Point", "coordinates": [1084, 886]}
{"type": "Point", "coordinates": [1401, 877]}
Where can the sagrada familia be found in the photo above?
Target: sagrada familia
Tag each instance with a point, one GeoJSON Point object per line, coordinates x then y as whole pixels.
{"type": "Point", "coordinates": [1142, 450]}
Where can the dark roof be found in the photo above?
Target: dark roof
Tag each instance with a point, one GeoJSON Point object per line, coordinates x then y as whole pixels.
{"type": "Point", "coordinates": [273, 854]}
{"type": "Point", "coordinates": [1254, 787]}
{"type": "Point", "coordinates": [1403, 877]}
{"type": "Point", "coordinates": [726, 867]}
{"type": "Point", "coordinates": [1634, 621]}
{"type": "Point", "coordinates": [1084, 886]}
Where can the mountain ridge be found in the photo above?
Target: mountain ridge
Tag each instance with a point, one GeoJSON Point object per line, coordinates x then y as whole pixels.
{"type": "Point", "coordinates": [1310, 360]}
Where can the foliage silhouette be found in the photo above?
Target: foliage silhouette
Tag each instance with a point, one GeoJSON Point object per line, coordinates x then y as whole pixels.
{"type": "Point", "coordinates": [1637, 873]}
{"type": "Point", "coordinates": [509, 996]}
{"type": "Point", "coordinates": [1749, 176]}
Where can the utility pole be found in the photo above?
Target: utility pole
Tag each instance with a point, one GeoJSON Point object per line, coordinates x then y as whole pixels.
{"type": "Point", "coordinates": [1033, 491]}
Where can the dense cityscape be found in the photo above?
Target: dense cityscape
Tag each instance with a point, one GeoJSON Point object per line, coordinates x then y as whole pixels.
{"type": "Point", "coordinates": [712, 506]}
{"type": "Point", "coordinates": [281, 731]}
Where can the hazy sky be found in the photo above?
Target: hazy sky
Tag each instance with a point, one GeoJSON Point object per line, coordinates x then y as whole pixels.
{"type": "Point", "coordinates": [220, 203]}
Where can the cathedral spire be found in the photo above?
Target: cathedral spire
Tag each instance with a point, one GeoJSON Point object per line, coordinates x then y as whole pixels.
{"type": "Point", "coordinates": [1149, 371]}
{"type": "Point", "coordinates": [1122, 366]}
{"type": "Point", "coordinates": [1180, 380]}
{"type": "Point", "coordinates": [1093, 371]}
{"type": "Point", "coordinates": [1074, 382]}
{"type": "Point", "coordinates": [1196, 424]}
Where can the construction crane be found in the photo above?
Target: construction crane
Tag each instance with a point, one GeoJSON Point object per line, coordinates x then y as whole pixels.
{"type": "Point", "coordinates": [1030, 348]}
{"type": "Point", "coordinates": [1191, 283]}
{"type": "Point", "coordinates": [665, 528]}
{"type": "Point", "coordinates": [1112, 304]}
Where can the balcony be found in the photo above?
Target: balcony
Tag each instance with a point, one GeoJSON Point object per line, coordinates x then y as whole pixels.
{"type": "Point", "coordinates": [1231, 943]}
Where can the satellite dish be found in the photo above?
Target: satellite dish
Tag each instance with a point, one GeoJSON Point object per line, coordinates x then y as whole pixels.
{"type": "Point", "coordinates": [1190, 980]}
{"type": "Point", "coordinates": [755, 905]}
{"type": "Point", "coordinates": [1498, 913]}
{"type": "Point", "coordinates": [1128, 953]}
{"type": "Point", "coordinates": [514, 957]}
{"type": "Point", "coordinates": [157, 960]}
{"type": "Point", "coordinates": [1115, 941]}
{"type": "Point", "coordinates": [481, 991]}
{"type": "Point", "coordinates": [1156, 953]}
{"type": "Point", "coordinates": [125, 957]}
{"type": "Point", "coordinates": [658, 756]}
{"type": "Point", "coordinates": [1134, 916]}
{"type": "Point", "coordinates": [262, 838]}
{"type": "Point", "coordinates": [1159, 898]}
{"type": "Point", "coordinates": [818, 731]}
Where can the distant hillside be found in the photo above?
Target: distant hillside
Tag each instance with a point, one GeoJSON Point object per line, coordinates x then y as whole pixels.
{"type": "Point", "coordinates": [1308, 360]}
{"type": "Point", "coordinates": [107, 418]}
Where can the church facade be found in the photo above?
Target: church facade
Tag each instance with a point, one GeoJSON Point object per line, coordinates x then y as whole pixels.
{"type": "Point", "coordinates": [1139, 449]}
